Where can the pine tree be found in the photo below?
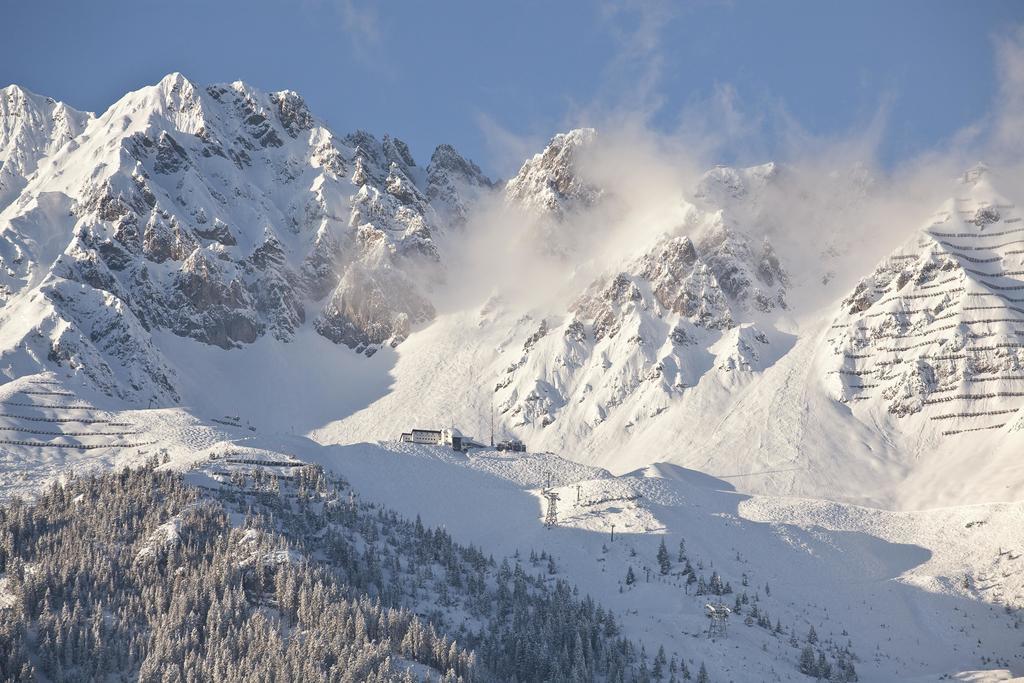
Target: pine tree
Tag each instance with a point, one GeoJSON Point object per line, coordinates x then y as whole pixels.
{"type": "Point", "coordinates": [702, 675]}
{"type": "Point", "coordinates": [812, 636]}
{"type": "Point", "coordinates": [682, 551]}
{"type": "Point", "coordinates": [824, 670]}
{"type": "Point", "coordinates": [663, 560]}
{"type": "Point", "coordinates": [630, 577]}
{"type": "Point", "coordinates": [808, 665]}
{"type": "Point", "coordinates": [207, 622]}
{"type": "Point", "coordinates": [658, 671]}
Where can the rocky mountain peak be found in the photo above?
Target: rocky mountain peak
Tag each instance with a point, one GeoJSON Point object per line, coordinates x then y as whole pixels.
{"type": "Point", "coordinates": [551, 183]}
{"type": "Point", "coordinates": [292, 112]}
{"type": "Point", "coordinates": [453, 182]}
{"type": "Point", "coordinates": [220, 214]}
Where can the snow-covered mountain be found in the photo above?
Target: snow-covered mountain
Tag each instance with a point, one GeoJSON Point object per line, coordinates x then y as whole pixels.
{"type": "Point", "coordinates": [221, 214]}
{"type": "Point", "coordinates": [648, 330]}
{"type": "Point", "coordinates": [190, 232]}
{"type": "Point", "coordinates": [691, 348]}
{"type": "Point", "coordinates": [551, 188]}
{"type": "Point", "coordinates": [211, 272]}
{"type": "Point", "coordinates": [936, 327]}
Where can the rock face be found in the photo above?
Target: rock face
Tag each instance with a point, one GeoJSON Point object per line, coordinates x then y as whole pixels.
{"type": "Point", "coordinates": [937, 328]}
{"type": "Point", "coordinates": [453, 183]}
{"type": "Point", "coordinates": [221, 214]}
{"type": "Point", "coordinates": [550, 183]}
{"type": "Point", "coordinates": [551, 188]}
{"type": "Point", "coordinates": [638, 337]}
{"type": "Point", "coordinates": [726, 186]}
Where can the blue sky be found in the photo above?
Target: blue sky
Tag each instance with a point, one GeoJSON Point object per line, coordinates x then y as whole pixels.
{"type": "Point", "coordinates": [497, 78]}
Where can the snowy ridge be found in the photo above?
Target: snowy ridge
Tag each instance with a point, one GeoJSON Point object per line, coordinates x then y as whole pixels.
{"type": "Point", "coordinates": [32, 128]}
{"type": "Point", "coordinates": [936, 329]}
{"type": "Point", "coordinates": [652, 330]}
{"type": "Point", "coordinates": [634, 340]}
{"type": "Point", "coordinates": [221, 214]}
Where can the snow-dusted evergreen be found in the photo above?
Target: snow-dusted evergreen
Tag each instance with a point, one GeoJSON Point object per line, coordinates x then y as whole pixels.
{"type": "Point", "coordinates": [139, 576]}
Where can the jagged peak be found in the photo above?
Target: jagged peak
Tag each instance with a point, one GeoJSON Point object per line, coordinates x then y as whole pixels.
{"type": "Point", "coordinates": [574, 137]}
{"type": "Point", "coordinates": [292, 111]}
{"type": "Point", "coordinates": [550, 180]}
{"type": "Point", "coordinates": [173, 96]}
{"type": "Point", "coordinates": [396, 151]}
{"type": "Point", "coordinates": [361, 138]}
{"type": "Point", "coordinates": [24, 98]}
{"type": "Point", "coordinates": [177, 91]}
{"type": "Point", "coordinates": [17, 93]}
{"type": "Point", "coordinates": [560, 150]}
{"type": "Point", "coordinates": [447, 160]}
{"type": "Point", "coordinates": [31, 127]}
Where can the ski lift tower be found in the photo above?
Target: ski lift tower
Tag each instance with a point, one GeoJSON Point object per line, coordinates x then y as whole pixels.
{"type": "Point", "coordinates": [551, 518]}
{"type": "Point", "coordinates": [718, 615]}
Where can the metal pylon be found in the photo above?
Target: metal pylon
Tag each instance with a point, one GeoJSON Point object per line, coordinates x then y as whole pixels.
{"type": "Point", "coordinates": [551, 518]}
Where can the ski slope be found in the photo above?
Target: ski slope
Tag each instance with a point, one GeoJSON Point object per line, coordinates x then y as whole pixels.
{"type": "Point", "coordinates": [915, 595]}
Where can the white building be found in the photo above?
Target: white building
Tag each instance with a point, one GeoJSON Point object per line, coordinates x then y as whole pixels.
{"type": "Point", "coordinates": [425, 436]}
{"type": "Point", "coordinates": [449, 436]}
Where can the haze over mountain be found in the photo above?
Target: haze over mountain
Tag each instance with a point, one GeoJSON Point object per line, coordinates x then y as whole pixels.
{"type": "Point", "coordinates": [209, 272]}
{"type": "Point", "coordinates": [189, 225]}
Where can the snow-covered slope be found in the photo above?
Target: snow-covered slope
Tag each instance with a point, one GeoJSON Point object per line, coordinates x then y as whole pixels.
{"type": "Point", "coordinates": [938, 322]}
{"type": "Point", "coordinates": [900, 595]}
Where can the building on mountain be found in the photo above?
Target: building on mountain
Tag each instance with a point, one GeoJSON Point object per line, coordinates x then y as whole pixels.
{"type": "Point", "coordinates": [423, 436]}
{"type": "Point", "coordinates": [449, 436]}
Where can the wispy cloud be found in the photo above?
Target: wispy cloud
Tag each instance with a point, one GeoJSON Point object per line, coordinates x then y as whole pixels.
{"type": "Point", "coordinates": [1008, 125]}
{"type": "Point", "coordinates": [507, 150]}
{"type": "Point", "coordinates": [362, 28]}
{"type": "Point", "coordinates": [634, 73]}
{"type": "Point", "coordinates": [833, 195]}
{"type": "Point", "coordinates": [361, 22]}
